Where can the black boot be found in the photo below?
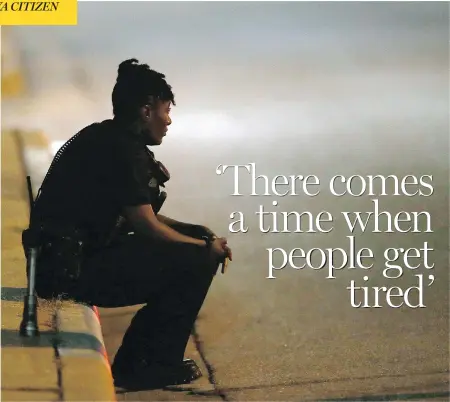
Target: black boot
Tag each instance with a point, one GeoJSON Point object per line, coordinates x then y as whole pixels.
{"type": "Point", "coordinates": [143, 375]}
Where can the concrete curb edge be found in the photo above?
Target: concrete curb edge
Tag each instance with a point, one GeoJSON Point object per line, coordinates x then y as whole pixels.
{"type": "Point", "coordinates": [85, 369]}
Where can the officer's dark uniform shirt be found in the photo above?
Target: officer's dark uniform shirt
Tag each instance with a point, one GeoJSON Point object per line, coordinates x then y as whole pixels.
{"type": "Point", "coordinates": [102, 170]}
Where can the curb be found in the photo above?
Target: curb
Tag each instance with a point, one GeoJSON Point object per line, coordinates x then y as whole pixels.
{"type": "Point", "coordinates": [83, 365]}
{"type": "Point", "coordinates": [82, 355]}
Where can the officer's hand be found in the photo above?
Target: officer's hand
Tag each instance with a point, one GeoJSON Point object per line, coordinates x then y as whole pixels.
{"type": "Point", "coordinates": [218, 247]}
{"type": "Point", "coordinates": [228, 251]}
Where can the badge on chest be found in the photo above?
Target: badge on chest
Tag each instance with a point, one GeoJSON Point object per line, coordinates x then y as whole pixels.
{"type": "Point", "coordinates": [153, 183]}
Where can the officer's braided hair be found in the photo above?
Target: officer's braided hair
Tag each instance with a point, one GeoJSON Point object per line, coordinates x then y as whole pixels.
{"type": "Point", "coordinates": [135, 84]}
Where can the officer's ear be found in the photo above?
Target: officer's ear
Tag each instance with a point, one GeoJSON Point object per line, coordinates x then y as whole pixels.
{"type": "Point", "coordinates": [145, 113]}
{"type": "Point", "coordinates": [147, 110]}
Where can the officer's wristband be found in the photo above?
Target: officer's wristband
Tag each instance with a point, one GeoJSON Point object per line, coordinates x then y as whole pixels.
{"type": "Point", "coordinates": [208, 240]}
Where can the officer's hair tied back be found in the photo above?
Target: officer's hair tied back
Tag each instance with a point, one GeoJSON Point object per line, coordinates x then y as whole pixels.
{"type": "Point", "coordinates": [135, 83]}
{"type": "Point", "coordinates": [126, 66]}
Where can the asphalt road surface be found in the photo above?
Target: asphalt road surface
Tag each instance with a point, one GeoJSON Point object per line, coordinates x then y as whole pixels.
{"type": "Point", "coordinates": [297, 337]}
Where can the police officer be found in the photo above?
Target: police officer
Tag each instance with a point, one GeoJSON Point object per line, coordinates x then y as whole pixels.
{"type": "Point", "coordinates": [106, 244]}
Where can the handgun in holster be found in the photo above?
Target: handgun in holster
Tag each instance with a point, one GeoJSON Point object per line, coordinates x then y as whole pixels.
{"type": "Point", "coordinates": [59, 255]}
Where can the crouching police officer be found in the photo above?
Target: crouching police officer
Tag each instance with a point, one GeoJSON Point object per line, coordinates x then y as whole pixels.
{"type": "Point", "coordinates": [104, 242]}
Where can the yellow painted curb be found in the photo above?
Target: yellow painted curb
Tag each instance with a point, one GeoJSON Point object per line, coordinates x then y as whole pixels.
{"type": "Point", "coordinates": [81, 360]}
{"type": "Point", "coordinates": [29, 368]}
{"type": "Point", "coordinates": [82, 352]}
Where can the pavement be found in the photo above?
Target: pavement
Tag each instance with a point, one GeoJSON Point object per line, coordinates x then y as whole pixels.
{"type": "Point", "coordinates": [294, 345]}
{"type": "Point", "coordinates": [114, 323]}
{"type": "Point", "coordinates": [67, 361]}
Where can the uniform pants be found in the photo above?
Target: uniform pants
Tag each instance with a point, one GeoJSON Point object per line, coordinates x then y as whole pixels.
{"type": "Point", "coordinates": [171, 280]}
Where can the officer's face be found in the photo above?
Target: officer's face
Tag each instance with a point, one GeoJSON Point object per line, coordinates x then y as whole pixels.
{"type": "Point", "coordinates": [158, 122]}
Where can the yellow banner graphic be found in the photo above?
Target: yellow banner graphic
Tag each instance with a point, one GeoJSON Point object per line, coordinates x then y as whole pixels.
{"type": "Point", "coordinates": [14, 12]}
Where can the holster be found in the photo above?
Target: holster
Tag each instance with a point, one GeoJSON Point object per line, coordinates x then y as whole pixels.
{"type": "Point", "coordinates": [59, 260]}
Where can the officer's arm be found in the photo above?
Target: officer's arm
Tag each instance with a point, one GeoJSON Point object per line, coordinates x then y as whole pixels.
{"type": "Point", "coordinates": [186, 228]}
{"type": "Point", "coordinates": [145, 222]}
